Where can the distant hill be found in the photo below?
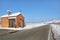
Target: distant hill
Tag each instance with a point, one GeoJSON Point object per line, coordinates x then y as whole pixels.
{"type": "Point", "coordinates": [54, 21]}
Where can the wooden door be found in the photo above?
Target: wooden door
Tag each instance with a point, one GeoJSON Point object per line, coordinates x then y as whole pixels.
{"type": "Point", "coordinates": [11, 22]}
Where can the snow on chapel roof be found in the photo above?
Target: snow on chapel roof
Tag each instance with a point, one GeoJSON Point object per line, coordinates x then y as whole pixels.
{"type": "Point", "coordinates": [13, 14]}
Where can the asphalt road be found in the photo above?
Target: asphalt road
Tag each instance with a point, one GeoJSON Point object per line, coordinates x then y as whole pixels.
{"type": "Point", "coordinates": [40, 33]}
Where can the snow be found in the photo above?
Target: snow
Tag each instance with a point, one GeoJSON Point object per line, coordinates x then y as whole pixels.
{"type": "Point", "coordinates": [34, 25]}
{"type": "Point", "coordinates": [54, 21]}
{"type": "Point", "coordinates": [56, 31]}
{"type": "Point", "coordinates": [13, 14]}
{"type": "Point", "coordinates": [28, 26]}
{"type": "Point", "coordinates": [11, 17]}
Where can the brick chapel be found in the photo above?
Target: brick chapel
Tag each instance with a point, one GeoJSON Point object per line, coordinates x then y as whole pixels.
{"type": "Point", "coordinates": [14, 20]}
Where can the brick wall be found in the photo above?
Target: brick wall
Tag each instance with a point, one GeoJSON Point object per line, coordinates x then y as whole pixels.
{"type": "Point", "coordinates": [5, 22]}
{"type": "Point", "coordinates": [18, 19]}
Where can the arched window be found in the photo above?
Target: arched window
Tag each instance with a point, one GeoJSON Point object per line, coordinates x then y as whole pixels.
{"type": "Point", "coordinates": [20, 23]}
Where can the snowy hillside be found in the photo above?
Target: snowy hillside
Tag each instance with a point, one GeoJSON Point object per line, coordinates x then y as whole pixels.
{"type": "Point", "coordinates": [54, 21]}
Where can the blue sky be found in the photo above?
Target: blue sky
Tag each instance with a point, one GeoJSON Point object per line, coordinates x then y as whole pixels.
{"type": "Point", "coordinates": [33, 10]}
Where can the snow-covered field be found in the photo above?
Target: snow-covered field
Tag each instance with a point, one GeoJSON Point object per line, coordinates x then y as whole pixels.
{"type": "Point", "coordinates": [55, 28]}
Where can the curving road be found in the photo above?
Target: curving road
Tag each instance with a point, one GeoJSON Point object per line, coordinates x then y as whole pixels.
{"type": "Point", "coordinates": [40, 33]}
